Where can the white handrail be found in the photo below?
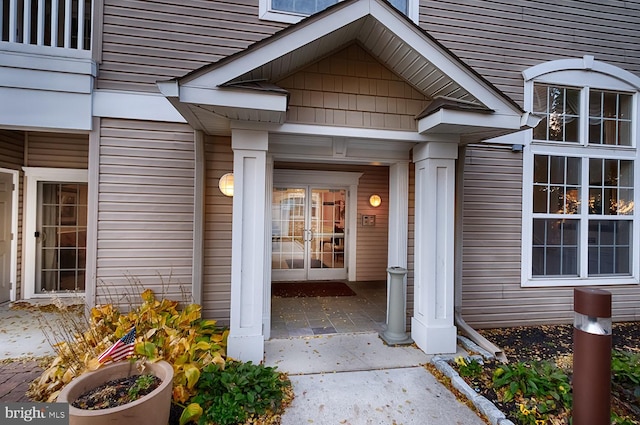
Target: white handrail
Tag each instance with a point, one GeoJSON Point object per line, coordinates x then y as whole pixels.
{"type": "Point", "coordinates": [48, 23]}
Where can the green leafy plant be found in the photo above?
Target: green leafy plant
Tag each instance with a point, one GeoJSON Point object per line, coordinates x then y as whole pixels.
{"type": "Point", "coordinates": [540, 388]}
{"type": "Point", "coordinates": [142, 384]}
{"type": "Point", "coordinates": [231, 393]}
{"type": "Point", "coordinates": [468, 367]}
{"type": "Point", "coordinates": [625, 367]}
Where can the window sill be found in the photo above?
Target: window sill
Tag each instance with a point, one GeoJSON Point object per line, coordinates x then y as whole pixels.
{"type": "Point", "coordinates": [569, 282]}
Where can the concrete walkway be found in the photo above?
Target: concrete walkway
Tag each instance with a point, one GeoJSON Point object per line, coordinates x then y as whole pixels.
{"type": "Point", "coordinates": [347, 379]}
{"type": "Point", "coordinates": [355, 379]}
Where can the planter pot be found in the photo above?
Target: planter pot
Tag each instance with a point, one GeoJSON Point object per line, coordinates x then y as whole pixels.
{"type": "Point", "coordinates": [150, 409]}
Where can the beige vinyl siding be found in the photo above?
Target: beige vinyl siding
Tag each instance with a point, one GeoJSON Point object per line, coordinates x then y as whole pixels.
{"type": "Point", "coordinates": [500, 39]}
{"type": "Point", "coordinates": [145, 210]}
{"type": "Point", "coordinates": [492, 295]}
{"type": "Point", "coordinates": [216, 293]}
{"type": "Point", "coordinates": [351, 88]}
{"type": "Point", "coordinates": [12, 158]}
{"type": "Point", "coordinates": [372, 241]}
{"type": "Point", "coordinates": [11, 149]}
{"type": "Point", "coordinates": [147, 41]}
{"type": "Point", "coordinates": [57, 150]}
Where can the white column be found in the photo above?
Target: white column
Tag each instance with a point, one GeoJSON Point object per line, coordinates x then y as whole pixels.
{"type": "Point", "coordinates": [266, 309]}
{"type": "Point", "coordinates": [398, 223]}
{"type": "Point", "coordinates": [398, 214]}
{"type": "Point", "coordinates": [432, 325]}
{"type": "Point", "coordinates": [246, 339]}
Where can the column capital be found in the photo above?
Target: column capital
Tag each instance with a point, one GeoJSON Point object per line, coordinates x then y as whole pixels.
{"type": "Point", "coordinates": [257, 140]}
{"type": "Point", "coordinates": [435, 150]}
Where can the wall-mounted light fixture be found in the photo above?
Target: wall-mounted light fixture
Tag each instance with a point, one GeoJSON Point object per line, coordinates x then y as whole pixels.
{"type": "Point", "coordinates": [375, 200]}
{"type": "Point", "coordinates": [226, 184]}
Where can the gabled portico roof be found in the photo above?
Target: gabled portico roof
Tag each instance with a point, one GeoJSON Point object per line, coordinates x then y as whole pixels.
{"type": "Point", "coordinates": [240, 86]}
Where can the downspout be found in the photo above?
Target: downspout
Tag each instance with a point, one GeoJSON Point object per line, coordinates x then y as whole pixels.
{"type": "Point", "coordinates": [463, 326]}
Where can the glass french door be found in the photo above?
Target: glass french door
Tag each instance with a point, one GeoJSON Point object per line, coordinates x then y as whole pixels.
{"type": "Point", "coordinates": [308, 233]}
{"type": "Point", "coordinates": [61, 237]}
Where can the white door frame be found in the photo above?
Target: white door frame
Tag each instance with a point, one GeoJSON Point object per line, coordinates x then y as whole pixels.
{"type": "Point", "coordinates": [33, 176]}
{"type": "Point", "coordinates": [329, 179]}
{"type": "Point", "coordinates": [13, 273]}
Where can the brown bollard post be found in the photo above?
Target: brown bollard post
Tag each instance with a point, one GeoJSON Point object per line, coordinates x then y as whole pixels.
{"type": "Point", "coordinates": [592, 357]}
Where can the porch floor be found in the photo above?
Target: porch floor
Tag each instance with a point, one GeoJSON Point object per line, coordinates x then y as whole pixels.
{"type": "Point", "coordinates": [364, 312]}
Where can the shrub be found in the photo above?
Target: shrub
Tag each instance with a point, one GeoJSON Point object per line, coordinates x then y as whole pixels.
{"type": "Point", "coordinates": [181, 337]}
{"type": "Point", "coordinates": [540, 388]}
{"type": "Point", "coordinates": [231, 393]}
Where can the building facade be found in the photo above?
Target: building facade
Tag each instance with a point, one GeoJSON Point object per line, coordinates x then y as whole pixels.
{"type": "Point", "coordinates": [501, 140]}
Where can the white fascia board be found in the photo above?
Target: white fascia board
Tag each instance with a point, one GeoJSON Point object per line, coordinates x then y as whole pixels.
{"type": "Point", "coordinates": [446, 117]}
{"type": "Point", "coordinates": [68, 60]}
{"type": "Point", "coordinates": [134, 105]}
{"type": "Point", "coordinates": [42, 110]}
{"type": "Point", "coordinates": [45, 80]}
{"type": "Point", "coordinates": [335, 131]}
{"type": "Point", "coordinates": [441, 60]}
{"type": "Point", "coordinates": [234, 98]}
{"type": "Point", "coordinates": [279, 46]}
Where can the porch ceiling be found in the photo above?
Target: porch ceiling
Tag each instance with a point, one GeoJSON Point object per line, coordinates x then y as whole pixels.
{"type": "Point", "coordinates": [240, 87]}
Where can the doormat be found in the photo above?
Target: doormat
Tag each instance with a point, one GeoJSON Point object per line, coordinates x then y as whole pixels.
{"type": "Point", "coordinates": [311, 289]}
{"type": "Point", "coordinates": [299, 264]}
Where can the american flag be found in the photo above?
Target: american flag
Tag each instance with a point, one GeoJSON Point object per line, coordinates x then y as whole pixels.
{"type": "Point", "coordinates": [122, 349]}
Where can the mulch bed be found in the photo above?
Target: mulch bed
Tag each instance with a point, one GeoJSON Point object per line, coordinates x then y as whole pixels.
{"type": "Point", "coordinates": [548, 342]}
{"type": "Point", "coordinates": [552, 343]}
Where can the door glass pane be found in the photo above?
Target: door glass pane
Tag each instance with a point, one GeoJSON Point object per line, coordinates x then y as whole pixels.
{"type": "Point", "coordinates": [327, 218]}
{"type": "Point", "coordinates": [62, 237]}
{"type": "Point", "coordinates": [288, 229]}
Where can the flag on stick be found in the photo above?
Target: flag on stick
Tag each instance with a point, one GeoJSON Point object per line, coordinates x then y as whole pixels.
{"type": "Point", "coordinates": [122, 349]}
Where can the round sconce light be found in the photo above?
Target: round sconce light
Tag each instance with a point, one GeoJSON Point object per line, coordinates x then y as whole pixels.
{"type": "Point", "coordinates": [375, 201]}
{"type": "Point", "coordinates": [226, 184]}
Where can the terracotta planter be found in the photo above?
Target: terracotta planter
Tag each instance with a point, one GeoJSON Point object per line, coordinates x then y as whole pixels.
{"type": "Point", "coordinates": [151, 409]}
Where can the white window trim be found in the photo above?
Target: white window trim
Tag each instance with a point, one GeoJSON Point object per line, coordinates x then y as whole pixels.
{"type": "Point", "coordinates": [33, 176]}
{"type": "Point", "coordinates": [598, 76]}
{"type": "Point", "coordinates": [266, 13]}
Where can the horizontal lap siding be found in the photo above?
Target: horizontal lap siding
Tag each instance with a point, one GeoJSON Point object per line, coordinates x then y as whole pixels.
{"type": "Point", "coordinates": [57, 150]}
{"type": "Point", "coordinates": [145, 209]}
{"type": "Point", "coordinates": [372, 241]}
{"type": "Point", "coordinates": [216, 296]}
{"type": "Point", "coordinates": [500, 39]}
{"type": "Point", "coordinates": [492, 295]}
{"type": "Point", "coordinates": [147, 41]}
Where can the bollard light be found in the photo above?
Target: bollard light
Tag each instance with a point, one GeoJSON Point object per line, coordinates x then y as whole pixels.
{"type": "Point", "coordinates": [592, 341]}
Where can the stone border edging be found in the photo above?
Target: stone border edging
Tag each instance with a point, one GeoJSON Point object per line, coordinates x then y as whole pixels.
{"type": "Point", "coordinates": [487, 408]}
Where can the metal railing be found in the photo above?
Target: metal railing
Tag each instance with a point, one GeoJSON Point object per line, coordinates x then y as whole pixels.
{"type": "Point", "coordinates": [51, 23]}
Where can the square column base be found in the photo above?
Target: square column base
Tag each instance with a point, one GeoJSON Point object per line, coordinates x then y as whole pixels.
{"type": "Point", "coordinates": [434, 339]}
{"type": "Point", "coordinates": [246, 348]}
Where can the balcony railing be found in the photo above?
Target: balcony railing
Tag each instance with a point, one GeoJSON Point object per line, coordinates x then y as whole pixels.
{"type": "Point", "coordinates": [50, 23]}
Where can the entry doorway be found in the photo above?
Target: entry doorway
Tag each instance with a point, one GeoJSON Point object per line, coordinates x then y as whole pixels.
{"type": "Point", "coordinates": [313, 225]}
{"type": "Point", "coordinates": [308, 233]}
{"type": "Point", "coordinates": [55, 232]}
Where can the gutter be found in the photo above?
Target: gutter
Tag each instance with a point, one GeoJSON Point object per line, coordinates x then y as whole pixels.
{"type": "Point", "coordinates": [459, 321]}
{"type": "Point", "coordinates": [474, 336]}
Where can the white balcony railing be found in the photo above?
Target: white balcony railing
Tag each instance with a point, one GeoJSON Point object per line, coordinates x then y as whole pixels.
{"type": "Point", "coordinates": [50, 23]}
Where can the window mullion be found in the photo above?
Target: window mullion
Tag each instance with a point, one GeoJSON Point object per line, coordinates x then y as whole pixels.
{"type": "Point", "coordinates": [583, 265]}
{"type": "Point", "coordinates": [584, 117]}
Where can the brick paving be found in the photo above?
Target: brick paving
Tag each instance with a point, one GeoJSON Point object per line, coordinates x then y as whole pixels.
{"type": "Point", "coordinates": [15, 378]}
